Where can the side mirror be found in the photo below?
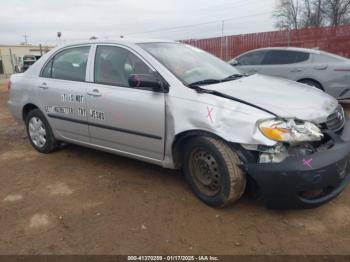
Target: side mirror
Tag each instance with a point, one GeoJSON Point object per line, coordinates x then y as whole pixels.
{"type": "Point", "coordinates": [145, 80]}
{"type": "Point", "coordinates": [234, 62]}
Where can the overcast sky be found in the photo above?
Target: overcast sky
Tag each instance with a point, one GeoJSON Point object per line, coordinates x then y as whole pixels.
{"type": "Point", "coordinates": [166, 19]}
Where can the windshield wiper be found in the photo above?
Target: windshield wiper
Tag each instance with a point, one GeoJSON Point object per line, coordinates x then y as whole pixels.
{"type": "Point", "coordinates": [233, 77]}
{"type": "Point", "coordinates": [205, 82]}
{"type": "Point", "coordinates": [216, 81]}
{"type": "Point", "coordinates": [200, 90]}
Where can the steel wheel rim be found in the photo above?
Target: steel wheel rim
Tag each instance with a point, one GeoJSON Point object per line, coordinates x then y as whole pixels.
{"type": "Point", "coordinates": [37, 132]}
{"type": "Point", "coordinates": [205, 172]}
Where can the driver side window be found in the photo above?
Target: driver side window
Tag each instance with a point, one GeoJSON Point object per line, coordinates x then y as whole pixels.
{"type": "Point", "coordinates": [254, 58]}
{"type": "Point", "coordinates": [114, 65]}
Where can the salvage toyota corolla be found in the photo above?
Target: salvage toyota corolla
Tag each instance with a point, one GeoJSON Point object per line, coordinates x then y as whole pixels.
{"type": "Point", "coordinates": [177, 106]}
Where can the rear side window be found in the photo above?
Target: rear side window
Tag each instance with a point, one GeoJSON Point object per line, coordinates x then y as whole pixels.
{"type": "Point", "coordinates": [325, 58]}
{"type": "Point", "coordinates": [281, 57]}
{"type": "Point", "coordinates": [69, 64]}
{"type": "Point", "coordinates": [47, 72]}
{"type": "Point", "coordinates": [254, 58]}
{"type": "Point", "coordinates": [114, 65]}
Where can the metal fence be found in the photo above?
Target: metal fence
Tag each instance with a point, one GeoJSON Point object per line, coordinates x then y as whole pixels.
{"type": "Point", "coordinates": [331, 39]}
{"type": "Point", "coordinates": [8, 66]}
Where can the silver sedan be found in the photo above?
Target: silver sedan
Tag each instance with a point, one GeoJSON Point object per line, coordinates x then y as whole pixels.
{"type": "Point", "coordinates": [325, 71]}
{"type": "Point", "coordinates": [179, 107]}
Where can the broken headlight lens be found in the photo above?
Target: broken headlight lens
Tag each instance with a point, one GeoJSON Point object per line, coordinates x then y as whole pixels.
{"type": "Point", "coordinates": [290, 130]}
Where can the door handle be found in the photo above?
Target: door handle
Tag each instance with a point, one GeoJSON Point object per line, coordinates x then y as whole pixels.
{"type": "Point", "coordinates": [321, 67]}
{"type": "Point", "coordinates": [94, 92]}
{"type": "Point", "coordinates": [43, 86]}
{"type": "Point", "coordinates": [296, 70]}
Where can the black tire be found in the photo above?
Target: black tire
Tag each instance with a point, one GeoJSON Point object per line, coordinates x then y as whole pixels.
{"type": "Point", "coordinates": [313, 83]}
{"type": "Point", "coordinates": [212, 169]}
{"type": "Point", "coordinates": [50, 143]}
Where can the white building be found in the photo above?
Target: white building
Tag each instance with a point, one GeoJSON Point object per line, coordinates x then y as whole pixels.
{"type": "Point", "coordinates": [11, 56]}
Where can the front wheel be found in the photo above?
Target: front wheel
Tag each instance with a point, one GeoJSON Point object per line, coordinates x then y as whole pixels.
{"type": "Point", "coordinates": [212, 169]}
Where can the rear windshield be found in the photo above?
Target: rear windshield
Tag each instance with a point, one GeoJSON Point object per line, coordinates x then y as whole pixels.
{"type": "Point", "coordinates": [325, 57]}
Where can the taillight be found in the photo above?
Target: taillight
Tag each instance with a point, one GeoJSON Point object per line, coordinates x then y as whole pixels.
{"type": "Point", "coordinates": [9, 85]}
{"type": "Point", "coordinates": [342, 69]}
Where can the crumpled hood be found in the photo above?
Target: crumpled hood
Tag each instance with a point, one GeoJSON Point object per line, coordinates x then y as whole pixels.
{"type": "Point", "coordinates": [285, 98]}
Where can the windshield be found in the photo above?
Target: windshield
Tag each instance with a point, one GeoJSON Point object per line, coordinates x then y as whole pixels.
{"type": "Point", "coordinates": [190, 64]}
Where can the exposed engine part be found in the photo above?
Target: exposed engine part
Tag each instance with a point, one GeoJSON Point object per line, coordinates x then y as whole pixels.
{"type": "Point", "coordinates": [264, 149]}
{"type": "Point", "coordinates": [273, 158]}
{"type": "Point", "coordinates": [269, 154]}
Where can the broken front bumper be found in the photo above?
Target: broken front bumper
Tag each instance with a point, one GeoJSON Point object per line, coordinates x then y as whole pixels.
{"type": "Point", "coordinates": [290, 183]}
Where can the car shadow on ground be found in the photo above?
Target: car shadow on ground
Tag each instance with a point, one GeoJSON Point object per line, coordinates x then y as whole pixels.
{"type": "Point", "coordinates": [170, 178]}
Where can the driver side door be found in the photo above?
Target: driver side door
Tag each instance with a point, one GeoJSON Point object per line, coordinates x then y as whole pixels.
{"type": "Point", "coordinates": [128, 120]}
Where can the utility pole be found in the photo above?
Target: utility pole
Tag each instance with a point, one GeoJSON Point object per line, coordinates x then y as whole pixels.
{"type": "Point", "coordinates": [288, 37]}
{"type": "Point", "coordinates": [41, 50]}
{"type": "Point", "coordinates": [226, 48]}
{"type": "Point", "coordinates": [25, 39]}
{"type": "Point", "coordinates": [59, 35]}
{"type": "Point", "coordinates": [12, 63]}
{"type": "Point", "coordinates": [222, 38]}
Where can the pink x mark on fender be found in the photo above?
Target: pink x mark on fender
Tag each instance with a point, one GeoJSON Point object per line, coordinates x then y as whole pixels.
{"type": "Point", "coordinates": [210, 111]}
{"type": "Point", "coordinates": [308, 162]}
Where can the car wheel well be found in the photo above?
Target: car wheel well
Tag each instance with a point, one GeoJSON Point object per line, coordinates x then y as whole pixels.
{"type": "Point", "coordinates": [26, 109]}
{"type": "Point", "coordinates": [181, 140]}
{"type": "Point", "coordinates": [311, 80]}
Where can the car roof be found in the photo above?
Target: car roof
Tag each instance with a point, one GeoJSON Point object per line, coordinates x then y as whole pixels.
{"type": "Point", "coordinates": [299, 49]}
{"type": "Point", "coordinates": [121, 41]}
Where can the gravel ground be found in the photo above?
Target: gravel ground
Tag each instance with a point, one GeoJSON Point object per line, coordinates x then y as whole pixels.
{"type": "Point", "coordinates": [82, 201]}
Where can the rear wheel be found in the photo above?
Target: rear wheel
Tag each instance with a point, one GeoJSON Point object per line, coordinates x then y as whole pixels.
{"type": "Point", "coordinates": [39, 132]}
{"type": "Point", "coordinates": [313, 83]}
{"type": "Point", "coordinates": [211, 168]}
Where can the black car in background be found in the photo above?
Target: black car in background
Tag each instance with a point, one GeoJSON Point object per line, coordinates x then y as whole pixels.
{"type": "Point", "coordinates": [28, 60]}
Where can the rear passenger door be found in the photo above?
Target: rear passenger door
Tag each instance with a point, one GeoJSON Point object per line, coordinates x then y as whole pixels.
{"type": "Point", "coordinates": [128, 120]}
{"type": "Point", "coordinates": [62, 93]}
{"type": "Point", "coordinates": [286, 64]}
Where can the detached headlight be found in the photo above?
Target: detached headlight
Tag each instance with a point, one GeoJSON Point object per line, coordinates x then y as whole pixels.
{"type": "Point", "coordinates": [290, 130]}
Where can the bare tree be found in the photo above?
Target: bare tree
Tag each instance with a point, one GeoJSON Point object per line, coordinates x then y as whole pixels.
{"type": "Point", "coordinates": [312, 13]}
{"type": "Point", "coordinates": [287, 14]}
{"type": "Point", "coordinates": [318, 5]}
{"type": "Point", "coordinates": [337, 11]}
{"type": "Point", "coordinates": [307, 13]}
{"type": "Point", "coordinates": [295, 14]}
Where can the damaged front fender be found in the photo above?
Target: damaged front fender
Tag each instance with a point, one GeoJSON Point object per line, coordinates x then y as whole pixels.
{"type": "Point", "coordinates": [232, 121]}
